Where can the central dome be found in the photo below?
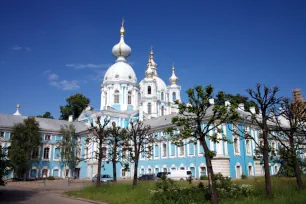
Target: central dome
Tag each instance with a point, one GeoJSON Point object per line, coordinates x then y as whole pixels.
{"type": "Point", "coordinates": [120, 71]}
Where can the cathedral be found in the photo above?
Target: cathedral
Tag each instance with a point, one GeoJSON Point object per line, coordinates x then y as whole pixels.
{"type": "Point", "coordinates": [124, 97]}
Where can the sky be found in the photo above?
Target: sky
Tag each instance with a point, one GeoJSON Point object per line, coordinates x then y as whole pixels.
{"type": "Point", "coordinates": [50, 50]}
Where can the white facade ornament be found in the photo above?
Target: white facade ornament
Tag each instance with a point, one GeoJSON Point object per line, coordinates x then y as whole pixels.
{"type": "Point", "coordinates": [17, 111]}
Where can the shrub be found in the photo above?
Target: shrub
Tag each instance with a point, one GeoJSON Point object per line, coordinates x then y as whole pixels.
{"type": "Point", "coordinates": [51, 178]}
{"type": "Point", "coordinates": [168, 192]}
{"type": "Point", "coordinates": [203, 177]}
{"type": "Point", "coordinates": [243, 176]}
{"type": "Point", "coordinates": [223, 181]}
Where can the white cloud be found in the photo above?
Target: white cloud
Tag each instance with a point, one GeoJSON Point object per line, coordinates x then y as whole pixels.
{"type": "Point", "coordinates": [18, 48]}
{"type": "Point", "coordinates": [63, 84]}
{"type": "Point", "coordinates": [87, 66]}
{"type": "Point", "coordinates": [47, 72]}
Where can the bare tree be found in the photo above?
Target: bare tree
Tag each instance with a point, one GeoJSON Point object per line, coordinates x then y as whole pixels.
{"type": "Point", "coordinates": [98, 135]}
{"type": "Point", "coordinates": [140, 141]}
{"type": "Point", "coordinates": [266, 100]}
{"type": "Point", "coordinates": [197, 119]}
{"type": "Point", "coordinates": [291, 131]}
{"type": "Point", "coordinates": [116, 141]}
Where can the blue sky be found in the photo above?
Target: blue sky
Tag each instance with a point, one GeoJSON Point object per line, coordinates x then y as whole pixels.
{"type": "Point", "coordinates": [50, 50]}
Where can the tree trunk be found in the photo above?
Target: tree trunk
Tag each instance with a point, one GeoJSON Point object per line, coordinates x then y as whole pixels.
{"type": "Point", "coordinates": [297, 171]}
{"type": "Point", "coordinates": [114, 171]}
{"type": "Point", "coordinates": [266, 165]}
{"type": "Point", "coordinates": [211, 177]}
{"type": "Point", "coordinates": [135, 179]}
{"type": "Point", "coordinates": [99, 171]}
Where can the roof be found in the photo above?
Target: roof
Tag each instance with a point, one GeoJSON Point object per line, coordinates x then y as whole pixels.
{"type": "Point", "coordinates": [45, 124]}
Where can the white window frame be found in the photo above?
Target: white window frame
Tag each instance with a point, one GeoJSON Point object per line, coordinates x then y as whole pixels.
{"type": "Point", "coordinates": [170, 150]}
{"type": "Point", "coordinates": [116, 94]}
{"type": "Point", "coordinates": [48, 139]}
{"type": "Point", "coordinates": [179, 150]}
{"type": "Point", "coordinates": [158, 150]}
{"type": "Point", "coordinates": [252, 170]}
{"type": "Point", "coordinates": [54, 159]}
{"type": "Point", "coordinates": [191, 154]}
{"type": "Point", "coordinates": [238, 144]}
{"type": "Point", "coordinates": [248, 148]}
{"type": "Point", "coordinates": [49, 153]}
{"type": "Point", "coordinates": [202, 166]}
{"type": "Point", "coordinates": [163, 149]}
{"type": "Point", "coordinates": [238, 164]}
{"type": "Point", "coordinates": [200, 154]}
{"type": "Point", "coordinates": [59, 171]}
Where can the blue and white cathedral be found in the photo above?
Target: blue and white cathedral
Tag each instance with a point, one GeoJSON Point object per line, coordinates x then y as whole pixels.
{"type": "Point", "coordinates": [124, 98]}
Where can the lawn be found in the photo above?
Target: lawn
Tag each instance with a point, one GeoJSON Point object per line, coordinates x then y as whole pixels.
{"type": "Point", "coordinates": [284, 192]}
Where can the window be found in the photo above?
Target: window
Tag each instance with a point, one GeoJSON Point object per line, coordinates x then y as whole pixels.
{"type": "Point", "coordinates": [275, 169]}
{"type": "Point", "coordinates": [116, 97]}
{"type": "Point", "coordinates": [162, 110]}
{"type": "Point", "coordinates": [248, 146]}
{"type": "Point", "coordinates": [156, 149]}
{"type": "Point", "coordinates": [47, 137]}
{"type": "Point", "coordinates": [164, 169]}
{"type": "Point", "coordinates": [86, 152]}
{"type": "Point", "coordinates": [182, 153]}
{"type": "Point", "coordinates": [46, 153]}
{"type": "Point", "coordinates": [164, 150]}
{"type": "Point", "coordinates": [129, 97]}
{"type": "Point", "coordinates": [35, 153]}
{"type": "Point", "coordinates": [191, 148]}
{"type": "Point", "coordinates": [124, 153]}
{"type": "Point", "coordinates": [104, 152]}
{"type": "Point", "coordinates": [45, 172]}
{"type": "Point", "coordinates": [67, 172]}
{"type": "Point", "coordinates": [250, 171]}
{"type": "Point", "coordinates": [149, 108]}
{"type": "Point", "coordinates": [123, 173]}
{"type": "Point", "coordinates": [162, 96]}
{"type": "Point", "coordinates": [57, 153]}
{"type": "Point", "coordinates": [182, 168]}
{"type": "Point", "coordinates": [149, 170]}
{"type": "Point", "coordinates": [105, 97]}
{"type": "Point", "coordinates": [173, 96]}
{"type": "Point", "coordinates": [203, 171]}
{"type": "Point", "coordinates": [1, 134]}
{"type": "Point", "coordinates": [149, 90]}
{"type": "Point", "coordinates": [236, 145]}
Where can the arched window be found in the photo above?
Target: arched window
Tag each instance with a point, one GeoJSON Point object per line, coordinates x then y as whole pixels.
{"type": "Point", "coordinates": [173, 96]}
{"type": "Point", "coordinates": [149, 90]}
{"type": "Point", "coordinates": [149, 108]}
{"type": "Point", "coordinates": [162, 96]}
{"type": "Point", "coordinates": [129, 97]}
{"type": "Point", "coordinates": [162, 110]}
{"type": "Point", "coordinates": [116, 97]}
{"type": "Point", "coordinates": [105, 97]}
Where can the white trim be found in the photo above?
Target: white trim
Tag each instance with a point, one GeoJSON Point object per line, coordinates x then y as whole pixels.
{"type": "Point", "coordinates": [179, 151]}
{"type": "Point", "coordinates": [200, 154]}
{"type": "Point", "coordinates": [154, 149]}
{"type": "Point", "coordinates": [199, 169]}
{"type": "Point", "coordinates": [33, 167]}
{"type": "Point", "coordinates": [59, 171]}
{"type": "Point", "coordinates": [238, 164]}
{"type": "Point", "coordinates": [225, 142]}
{"type": "Point", "coordinates": [49, 154]}
{"type": "Point", "coordinates": [162, 150]}
{"type": "Point", "coordinates": [54, 147]}
{"type": "Point", "coordinates": [188, 147]}
{"type": "Point", "coordinates": [45, 167]}
{"type": "Point", "coordinates": [173, 166]}
{"type": "Point", "coordinates": [170, 150]}
{"type": "Point", "coordinates": [252, 168]}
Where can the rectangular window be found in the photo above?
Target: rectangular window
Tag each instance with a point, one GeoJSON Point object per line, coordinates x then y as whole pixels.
{"type": "Point", "coordinates": [46, 153]}
{"type": "Point", "coordinates": [57, 153]}
{"type": "Point", "coordinates": [203, 171]}
{"type": "Point", "coordinates": [172, 149]}
{"type": "Point", "coordinates": [47, 137]}
{"type": "Point", "coordinates": [164, 150]}
{"type": "Point", "coordinates": [181, 148]}
{"type": "Point", "coordinates": [156, 153]}
{"type": "Point", "coordinates": [2, 134]}
{"type": "Point", "coordinates": [191, 148]}
{"type": "Point", "coordinates": [248, 146]}
{"type": "Point", "coordinates": [104, 152]}
{"type": "Point", "coordinates": [86, 153]}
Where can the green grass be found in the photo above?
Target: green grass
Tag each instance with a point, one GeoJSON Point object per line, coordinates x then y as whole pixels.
{"type": "Point", "coordinates": [284, 190]}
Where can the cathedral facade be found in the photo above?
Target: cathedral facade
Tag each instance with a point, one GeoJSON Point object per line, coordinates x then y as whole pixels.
{"type": "Point", "coordinates": [123, 98]}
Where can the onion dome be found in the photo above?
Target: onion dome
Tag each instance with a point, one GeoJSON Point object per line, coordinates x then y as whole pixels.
{"type": "Point", "coordinates": [173, 79]}
{"type": "Point", "coordinates": [121, 50]}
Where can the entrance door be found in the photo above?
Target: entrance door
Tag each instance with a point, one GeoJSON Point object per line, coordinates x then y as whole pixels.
{"type": "Point", "coordinates": [55, 173]}
{"type": "Point", "coordinates": [33, 173]}
{"type": "Point", "coordinates": [77, 173]}
{"type": "Point", "coordinates": [192, 171]}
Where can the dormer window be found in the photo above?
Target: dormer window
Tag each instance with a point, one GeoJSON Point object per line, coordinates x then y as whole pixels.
{"type": "Point", "coordinates": [47, 137]}
{"type": "Point", "coordinates": [149, 90]}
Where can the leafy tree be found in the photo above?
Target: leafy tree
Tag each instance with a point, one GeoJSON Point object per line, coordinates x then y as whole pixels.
{"type": "Point", "coordinates": [140, 142]}
{"type": "Point", "coordinates": [238, 99]}
{"type": "Point", "coordinates": [25, 139]}
{"type": "Point", "coordinates": [198, 112]}
{"type": "Point", "coordinates": [266, 100]}
{"type": "Point", "coordinates": [69, 147]}
{"type": "Point", "coordinates": [116, 141]}
{"type": "Point", "coordinates": [4, 164]}
{"type": "Point", "coordinates": [75, 105]}
{"type": "Point", "coordinates": [291, 131]}
{"type": "Point", "coordinates": [46, 115]}
{"type": "Point", "coordinates": [98, 135]}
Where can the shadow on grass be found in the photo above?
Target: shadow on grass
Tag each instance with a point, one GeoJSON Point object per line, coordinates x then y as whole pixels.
{"type": "Point", "coordinates": [15, 196]}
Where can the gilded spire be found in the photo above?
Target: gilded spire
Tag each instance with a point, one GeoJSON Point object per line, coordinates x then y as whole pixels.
{"type": "Point", "coordinates": [151, 52]}
{"type": "Point", "coordinates": [149, 61]}
{"type": "Point", "coordinates": [122, 31]}
{"type": "Point", "coordinates": [173, 79]}
{"type": "Point", "coordinates": [173, 67]}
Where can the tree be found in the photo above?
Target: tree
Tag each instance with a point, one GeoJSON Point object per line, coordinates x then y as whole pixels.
{"type": "Point", "coordinates": [75, 105]}
{"type": "Point", "coordinates": [266, 99]}
{"type": "Point", "coordinates": [4, 164]}
{"type": "Point", "coordinates": [116, 141]}
{"type": "Point", "coordinates": [198, 112]}
{"type": "Point", "coordinates": [46, 115]}
{"type": "Point", "coordinates": [140, 142]}
{"type": "Point", "coordinates": [238, 99]}
{"type": "Point", "coordinates": [25, 140]}
{"type": "Point", "coordinates": [69, 147]}
{"type": "Point", "coordinates": [290, 133]}
{"type": "Point", "coordinates": [98, 135]}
